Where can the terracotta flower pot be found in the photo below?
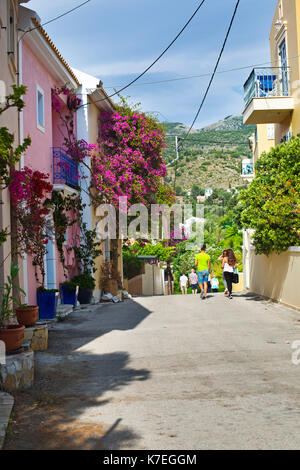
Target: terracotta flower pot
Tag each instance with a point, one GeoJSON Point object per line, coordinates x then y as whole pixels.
{"type": "Point", "coordinates": [12, 336]}
{"type": "Point", "coordinates": [28, 315]}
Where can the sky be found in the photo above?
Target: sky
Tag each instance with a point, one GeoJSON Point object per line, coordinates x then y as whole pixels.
{"type": "Point", "coordinates": [115, 40]}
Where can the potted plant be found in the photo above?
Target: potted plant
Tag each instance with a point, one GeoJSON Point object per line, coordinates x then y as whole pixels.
{"type": "Point", "coordinates": [69, 292]}
{"type": "Point", "coordinates": [11, 334]}
{"type": "Point", "coordinates": [27, 315]}
{"type": "Point", "coordinates": [86, 284]}
{"type": "Point", "coordinates": [47, 301]}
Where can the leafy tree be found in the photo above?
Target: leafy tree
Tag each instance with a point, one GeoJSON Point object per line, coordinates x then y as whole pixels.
{"type": "Point", "coordinates": [271, 204]}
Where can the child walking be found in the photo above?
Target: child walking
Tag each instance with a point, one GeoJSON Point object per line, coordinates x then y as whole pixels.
{"type": "Point", "coordinates": [193, 278]}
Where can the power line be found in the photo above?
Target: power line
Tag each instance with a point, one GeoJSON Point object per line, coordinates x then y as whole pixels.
{"type": "Point", "coordinates": [155, 61]}
{"type": "Point", "coordinates": [189, 77]}
{"type": "Point", "coordinates": [215, 70]}
{"type": "Point", "coordinates": [54, 19]}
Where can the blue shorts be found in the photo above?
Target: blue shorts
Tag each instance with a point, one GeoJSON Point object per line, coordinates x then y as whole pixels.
{"type": "Point", "coordinates": [203, 276]}
{"type": "Point", "coordinates": [194, 286]}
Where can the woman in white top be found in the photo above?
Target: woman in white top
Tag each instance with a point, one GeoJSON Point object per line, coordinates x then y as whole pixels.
{"type": "Point", "coordinates": [223, 275]}
{"type": "Point", "coordinates": [228, 265]}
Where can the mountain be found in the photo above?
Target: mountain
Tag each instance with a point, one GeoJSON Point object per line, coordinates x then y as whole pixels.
{"type": "Point", "coordinates": [230, 123]}
{"type": "Point", "coordinates": [210, 157]}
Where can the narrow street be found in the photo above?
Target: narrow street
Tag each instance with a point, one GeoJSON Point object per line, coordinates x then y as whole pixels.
{"type": "Point", "coordinates": [165, 373]}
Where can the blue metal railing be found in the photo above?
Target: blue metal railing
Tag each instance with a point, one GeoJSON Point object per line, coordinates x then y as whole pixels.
{"type": "Point", "coordinates": [65, 170]}
{"type": "Point", "coordinates": [267, 82]}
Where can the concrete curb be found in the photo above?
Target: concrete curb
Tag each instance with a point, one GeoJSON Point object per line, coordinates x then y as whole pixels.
{"type": "Point", "coordinates": [6, 405]}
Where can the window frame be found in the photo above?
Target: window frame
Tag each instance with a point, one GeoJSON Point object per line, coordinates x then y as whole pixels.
{"type": "Point", "coordinates": [40, 91]}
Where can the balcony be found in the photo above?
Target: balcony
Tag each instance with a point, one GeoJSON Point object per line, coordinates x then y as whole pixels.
{"type": "Point", "coordinates": [267, 96]}
{"type": "Point", "coordinates": [65, 171]}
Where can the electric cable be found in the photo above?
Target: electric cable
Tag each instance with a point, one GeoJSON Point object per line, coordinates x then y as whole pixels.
{"type": "Point", "coordinates": [215, 70]}
{"type": "Point", "coordinates": [54, 19]}
{"type": "Point", "coordinates": [189, 77]}
{"type": "Point", "coordinates": [154, 62]}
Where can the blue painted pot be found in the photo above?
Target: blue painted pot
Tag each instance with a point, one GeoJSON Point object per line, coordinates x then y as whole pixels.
{"type": "Point", "coordinates": [69, 296]}
{"type": "Point", "coordinates": [47, 302]}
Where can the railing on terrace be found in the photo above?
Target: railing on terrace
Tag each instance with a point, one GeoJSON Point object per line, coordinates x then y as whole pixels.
{"type": "Point", "coordinates": [65, 170]}
{"type": "Point", "coordinates": [267, 82]}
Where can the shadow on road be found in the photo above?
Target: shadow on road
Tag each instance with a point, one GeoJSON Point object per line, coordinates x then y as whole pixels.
{"type": "Point", "coordinates": [63, 409]}
{"type": "Point", "coordinates": [252, 296]}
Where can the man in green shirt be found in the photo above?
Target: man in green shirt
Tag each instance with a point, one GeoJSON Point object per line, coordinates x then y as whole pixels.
{"type": "Point", "coordinates": [202, 261]}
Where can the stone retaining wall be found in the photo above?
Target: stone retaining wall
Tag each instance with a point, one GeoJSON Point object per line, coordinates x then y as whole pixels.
{"type": "Point", "coordinates": [18, 372]}
{"type": "Point", "coordinates": [37, 337]}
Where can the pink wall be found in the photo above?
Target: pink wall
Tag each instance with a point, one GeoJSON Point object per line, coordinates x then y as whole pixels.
{"type": "Point", "coordinates": [39, 155]}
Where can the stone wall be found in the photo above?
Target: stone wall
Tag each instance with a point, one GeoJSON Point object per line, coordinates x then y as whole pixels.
{"type": "Point", "coordinates": [37, 337]}
{"type": "Point", "coordinates": [18, 372]}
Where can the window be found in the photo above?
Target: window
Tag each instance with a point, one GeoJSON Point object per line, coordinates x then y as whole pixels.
{"type": "Point", "coordinates": [271, 132]}
{"type": "Point", "coordinates": [10, 28]}
{"type": "Point", "coordinates": [40, 109]}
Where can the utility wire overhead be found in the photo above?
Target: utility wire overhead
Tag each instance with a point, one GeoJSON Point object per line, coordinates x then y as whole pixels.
{"type": "Point", "coordinates": [56, 18]}
{"type": "Point", "coordinates": [214, 72]}
{"type": "Point", "coordinates": [155, 61]}
{"type": "Point", "coordinates": [189, 77]}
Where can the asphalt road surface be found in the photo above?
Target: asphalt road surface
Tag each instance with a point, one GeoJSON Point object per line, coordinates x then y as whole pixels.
{"type": "Point", "coordinates": [169, 372]}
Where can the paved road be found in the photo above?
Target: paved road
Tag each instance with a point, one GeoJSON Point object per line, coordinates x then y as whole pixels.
{"type": "Point", "coordinates": [176, 373]}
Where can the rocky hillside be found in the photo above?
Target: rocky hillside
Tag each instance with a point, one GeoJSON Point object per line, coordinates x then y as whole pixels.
{"type": "Point", "coordinates": [211, 157]}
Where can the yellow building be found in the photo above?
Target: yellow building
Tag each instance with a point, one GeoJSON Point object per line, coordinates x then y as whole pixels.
{"type": "Point", "coordinates": [9, 14]}
{"type": "Point", "coordinates": [272, 102]}
{"type": "Point", "coordinates": [272, 94]}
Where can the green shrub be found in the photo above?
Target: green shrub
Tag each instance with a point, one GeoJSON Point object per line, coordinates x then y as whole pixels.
{"type": "Point", "coordinates": [84, 281]}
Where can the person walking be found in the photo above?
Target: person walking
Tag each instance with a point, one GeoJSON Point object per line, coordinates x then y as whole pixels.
{"type": "Point", "coordinates": [183, 281]}
{"type": "Point", "coordinates": [169, 278]}
{"type": "Point", "coordinates": [202, 261]}
{"type": "Point", "coordinates": [223, 275]}
{"type": "Point", "coordinates": [193, 279]}
{"type": "Point", "coordinates": [228, 265]}
{"type": "Point", "coordinates": [214, 284]}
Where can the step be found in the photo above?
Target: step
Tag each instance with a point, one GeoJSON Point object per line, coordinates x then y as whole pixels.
{"type": "Point", "coordinates": [6, 405]}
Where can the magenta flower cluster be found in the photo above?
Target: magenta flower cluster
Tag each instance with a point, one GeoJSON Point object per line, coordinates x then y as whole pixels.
{"type": "Point", "coordinates": [128, 160]}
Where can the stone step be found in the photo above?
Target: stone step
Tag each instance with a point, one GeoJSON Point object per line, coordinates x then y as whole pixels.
{"type": "Point", "coordinates": [6, 405]}
{"type": "Point", "coordinates": [64, 310]}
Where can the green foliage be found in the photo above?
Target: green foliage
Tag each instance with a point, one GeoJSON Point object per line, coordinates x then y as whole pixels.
{"type": "Point", "coordinates": [132, 265]}
{"type": "Point", "coordinates": [61, 205]}
{"type": "Point", "coordinates": [88, 249]}
{"type": "Point", "coordinates": [271, 204]}
{"type": "Point", "coordinates": [14, 100]}
{"type": "Point", "coordinates": [165, 195]}
{"type": "Point", "coordinates": [84, 281]}
{"type": "Point", "coordinates": [70, 284]}
{"type": "Point", "coordinates": [3, 236]}
{"type": "Point", "coordinates": [233, 238]}
{"type": "Point", "coordinates": [7, 297]}
{"type": "Point", "coordinates": [9, 155]}
{"type": "Point", "coordinates": [163, 253]}
{"type": "Point", "coordinates": [43, 289]}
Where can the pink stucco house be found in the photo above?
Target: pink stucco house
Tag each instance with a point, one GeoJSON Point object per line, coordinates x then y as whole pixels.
{"type": "Point", "coordinates": [41, 68]}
